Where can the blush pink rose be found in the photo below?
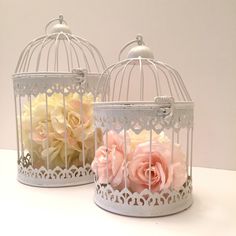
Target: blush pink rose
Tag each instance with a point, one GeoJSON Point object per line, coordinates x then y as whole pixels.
{"type": "Point", "coordinates": [116, 140]}
{"type": "Point", "coordinates": [109, 170]}
{"type": "Point", "coordinates": [139, 172]}
{"type": "Point", "coordinates": [178, 165]}
{"type": "Point", "coordinates": [108, 163]}
{"type": "Point", "coordinates": [163, 172]}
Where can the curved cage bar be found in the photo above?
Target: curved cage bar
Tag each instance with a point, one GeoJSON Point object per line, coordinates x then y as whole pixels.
{"type": "Point", "coordinates": [144, 166]}
{"type": "Point", "coordinates": [160, 80]}
{"type": "Point", "coordinates": [54, 87]}
{"type": "Point", "coordinates": [60, 52]}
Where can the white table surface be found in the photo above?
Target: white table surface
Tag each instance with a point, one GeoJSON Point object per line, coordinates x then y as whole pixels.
{"type": "Point", "coordinates": [28, 210]}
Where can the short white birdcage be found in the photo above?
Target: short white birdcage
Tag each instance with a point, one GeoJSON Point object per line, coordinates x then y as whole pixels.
{"type": "Point", "coordinates": [54, 84]}
{"type": "Point", "coordinates": [144, 167]}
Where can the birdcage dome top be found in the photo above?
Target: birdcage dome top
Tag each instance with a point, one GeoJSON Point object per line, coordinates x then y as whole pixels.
{"type": "Point", "coordinates": [59, 51]}
{"type": "Point", "coordinates": [141, 78]}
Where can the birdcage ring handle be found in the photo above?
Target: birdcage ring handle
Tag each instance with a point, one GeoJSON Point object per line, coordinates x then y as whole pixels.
{"type": "Point", "coordinates": [138, 40]}
{"type": "Point", "coordinates": [60, 19]}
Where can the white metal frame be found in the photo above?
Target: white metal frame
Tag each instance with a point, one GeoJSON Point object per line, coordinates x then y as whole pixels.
{"type": "Point", "coordinates": [39, 71]}
{"type": "Point", "coordinates": [171, 111]}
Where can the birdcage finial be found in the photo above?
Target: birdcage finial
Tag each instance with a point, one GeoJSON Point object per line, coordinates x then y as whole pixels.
{"type": "Point", "coordinates": [141, 50]}
{"type": "Point", "coordinates": [59, 27]}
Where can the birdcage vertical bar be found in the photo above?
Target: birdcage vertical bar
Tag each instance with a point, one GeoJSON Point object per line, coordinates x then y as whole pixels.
{"type": "Point", "coordinates": [17, 127]}
{"type": "Point", "coordinates": [128, 83]}
{"type": "Point", "coordinates": [191, 153]}
{"type": "Point", "coordinates": [125, 156]}
{"type": "Point", "coordinates": [104, 84]}
{"type": "Point", "coordinates": [86, 45]}
{"type": "Point", "coordinates": [87, 66]}
{"type": "Point", "coordinates": [122, 79]}
{"type": "Point", "coordinates": [172, 150]}
{"type": "Point", "coordinates": [48, 55]}
{"type": "Point", "coordinates": [175, 87]}
{"type": "Point", "coordinates": [95, 148]}
{"type": "Point", "coordinates": [21, 129]}
{"type": "Point", "coordinates": [76, 55]}
{"type": "Point", "coordinates": [44, 39]}
{"type": "Point", "coordinates": [120, 84]}
{"type": "Point", "coordinates": [47, 131]}
{"type": "Point", "coordinates": [177, 136]}
{"type": "Point", "coordinates": [141, 79]}
{"type": "Point", "coordinates": [56, 60]}
{"type": "Point", "coordinates": [150, 160]}
{"type": "Point", "coordinates": [65, 129]}
{"type": "Point", "coordinates": [155, 79]}
{"type": "Point", "coordinates": [68, 53]}
{"type": "Point", "coordinates": [107, 161]}
{"type": "Point", "coordinates": [82, 126]}
{"type": "Point", "coordinates": [114, 83]}
{"type": "Point", "coordinates": [187, 151]}
{"type": "Point", "coordinates": [92, 47]}
{"type": "Point", "coordinates": [31, 132]}
{"type": "Point", "coordinates": [33, 49]}
{"type": "Point", "coordinates": [159, 92]}
{"type": "Point", "coordinates": [175, 80]}
{"type": "Point", "coordinates": [180, 82]}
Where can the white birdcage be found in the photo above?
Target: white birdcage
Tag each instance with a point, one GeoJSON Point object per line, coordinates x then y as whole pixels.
{"type": "Point", "coordinates": [144, 167]}
{"type": "Point", "coordinates": [54, 84]}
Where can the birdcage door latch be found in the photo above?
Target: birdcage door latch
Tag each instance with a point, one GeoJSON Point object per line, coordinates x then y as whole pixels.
{"type": "Point", "coordinates": [166, 106]}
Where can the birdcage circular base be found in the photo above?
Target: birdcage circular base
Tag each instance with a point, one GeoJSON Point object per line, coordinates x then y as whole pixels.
{"type": "Point", "coordinates": [54, 183]}
{"type": "Point", "coordinates": [55, 178]}
{"type": "Point", "coordinates": [146, 203]}
{"type": "Point", "coordinates": [144, 211]}
{"type": "Point", "coordinates": [140, 211]}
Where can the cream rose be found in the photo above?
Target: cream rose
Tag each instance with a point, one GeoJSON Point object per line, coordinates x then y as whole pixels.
{"type": "Point", "coordinates": [48, 132]}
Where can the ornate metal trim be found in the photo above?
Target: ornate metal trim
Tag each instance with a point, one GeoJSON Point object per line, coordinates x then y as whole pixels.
{"type": "Point", "coordinates": [36, 83]}
{"type": "Point", "coordinates": [57, 177]}
{"type": "Point", "coordinates": [147, 116]}
{"type": "Point", "coordinates": [146, 203]}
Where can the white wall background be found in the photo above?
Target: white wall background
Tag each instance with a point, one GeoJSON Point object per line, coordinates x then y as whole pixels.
{"type": "Point", "coordinates": [197, 37]}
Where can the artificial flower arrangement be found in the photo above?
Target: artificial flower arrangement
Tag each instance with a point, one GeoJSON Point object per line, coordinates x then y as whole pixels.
{"type": "Point", "coordinates": [45, 136]}
{"type": "Point", "coordinates": [109, 162]}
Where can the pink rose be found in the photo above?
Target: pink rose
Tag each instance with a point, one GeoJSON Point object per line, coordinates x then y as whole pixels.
{"type": "Point", "coordinates": [178, 167]}
{"type": "Point", "coordinates": [109, 162]}
{"type": "Point", "coordinates": [163, 172]}
{"type": "Point", "coordinates": [139, 171]}
{"type": "Point", "coordinates": [116, 140]}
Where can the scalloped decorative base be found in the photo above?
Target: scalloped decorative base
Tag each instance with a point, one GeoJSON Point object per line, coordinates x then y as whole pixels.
{"type": "Point", "coordinates": [140, 211]}
{"type": "Point", "coordinates": [57, 177]}
{"type": "Point", "coordinates": [145, 204]}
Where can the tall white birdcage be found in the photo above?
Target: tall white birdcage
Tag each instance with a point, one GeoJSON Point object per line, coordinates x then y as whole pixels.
{"type": "Point", "coordinates": [144, 167]}
{"type": "Point", "coordinates": [54, 84]}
